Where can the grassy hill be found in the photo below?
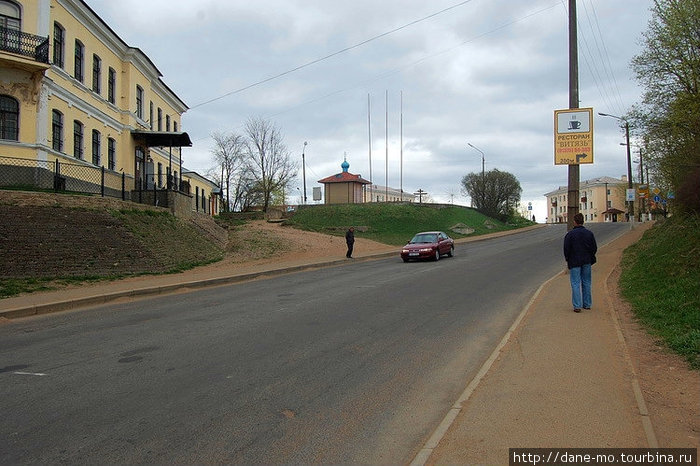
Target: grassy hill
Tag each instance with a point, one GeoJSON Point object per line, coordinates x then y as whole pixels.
{"type": "Point", "coordinates": [661, 280]}
{"type": "Point", "coordinates": [48, 241]}
{"type": "Point", "coordinates": [396, 223]}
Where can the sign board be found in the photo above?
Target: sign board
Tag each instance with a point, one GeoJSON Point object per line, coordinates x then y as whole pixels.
{"type": "Point", "coordinates": [317, 193]}
{"type": "Point", "coordinates": [630, 195]}
{"type": "Point", "coordinates": [643, 191]}
{"type": "Point", "coordinates": [573, 136]}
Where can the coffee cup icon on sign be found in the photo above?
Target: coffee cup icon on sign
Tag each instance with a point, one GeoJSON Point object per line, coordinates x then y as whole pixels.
{"type": "Point", "coordinates": [574, 124]}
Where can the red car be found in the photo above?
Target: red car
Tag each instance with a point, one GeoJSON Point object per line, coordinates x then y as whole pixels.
{"type": "Point", "coordinates": [428, 245]}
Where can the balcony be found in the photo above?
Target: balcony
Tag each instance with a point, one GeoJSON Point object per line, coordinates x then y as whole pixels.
{"type": "Point", "coordinates": [24, 44]}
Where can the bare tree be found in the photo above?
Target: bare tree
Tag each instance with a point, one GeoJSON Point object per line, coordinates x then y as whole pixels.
{"type": "Point", "coordinates": [267, 159]}
{"type": "Point", "coordinates": [228, 154]}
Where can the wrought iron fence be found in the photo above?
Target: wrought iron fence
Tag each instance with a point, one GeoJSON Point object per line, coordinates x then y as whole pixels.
{"type": "Point", "coordinates": [17, 173]}
{"type": "Point", "coordinates": [23, 43]}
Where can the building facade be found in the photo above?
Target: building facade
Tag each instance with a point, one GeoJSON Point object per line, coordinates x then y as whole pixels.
{"type": "Point", "coordinates": [377, 193]}
{"type": "Point", "coordinates": [601, 200]}
{"type": "Point", "coordinates": [72, 93]}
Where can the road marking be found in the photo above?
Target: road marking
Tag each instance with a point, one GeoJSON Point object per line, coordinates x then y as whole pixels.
{"type": "Point", "coordinates": [37, 374]}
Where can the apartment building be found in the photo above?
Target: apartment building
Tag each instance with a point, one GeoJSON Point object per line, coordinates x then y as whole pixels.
{"type": "Point", "coordinates": [74, 94]}
{"type": "Point", "coordinates": [601, 200]}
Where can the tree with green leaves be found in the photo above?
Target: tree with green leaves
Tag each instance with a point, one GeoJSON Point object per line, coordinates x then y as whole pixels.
{"type": "Point", "coordinates": [669, 117]}
{"type": "Point", "coordinates": [494, 193]}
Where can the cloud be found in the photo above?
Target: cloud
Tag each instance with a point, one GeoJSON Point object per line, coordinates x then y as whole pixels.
{"type": "Point", "coordinates": [486, 72]}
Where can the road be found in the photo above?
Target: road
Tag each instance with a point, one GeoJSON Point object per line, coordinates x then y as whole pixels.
{"type": "Point", "coordinates": [357, 363]}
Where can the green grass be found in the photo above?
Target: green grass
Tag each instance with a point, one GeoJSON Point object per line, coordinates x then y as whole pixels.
{"type": "Point", "coordinates": [393, 223]}
{"type": "Point", "coordinates": [661, 280]}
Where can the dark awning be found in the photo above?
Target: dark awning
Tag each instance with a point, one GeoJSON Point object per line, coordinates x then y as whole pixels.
{"type": "Point", "coordinates": [162, 139]}
{"type": "Point", "coordinates": [613, 211]}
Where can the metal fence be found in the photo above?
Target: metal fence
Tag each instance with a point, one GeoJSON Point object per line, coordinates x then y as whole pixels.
{"type": "Point", "coordinates": [57, 176]}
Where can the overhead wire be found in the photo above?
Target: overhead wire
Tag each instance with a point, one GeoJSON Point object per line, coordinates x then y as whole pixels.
{"type": "Point", "coordinates": [318, 60]}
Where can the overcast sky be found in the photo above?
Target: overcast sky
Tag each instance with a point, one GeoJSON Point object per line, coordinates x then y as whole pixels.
{"type": "Point", "coordinates": [485, 72]}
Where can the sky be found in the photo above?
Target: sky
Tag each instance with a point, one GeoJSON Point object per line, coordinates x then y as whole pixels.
{"type": "Point", "coordinates": [441, 79]}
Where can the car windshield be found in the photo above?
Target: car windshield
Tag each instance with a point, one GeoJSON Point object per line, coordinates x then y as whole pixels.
{"type": "Point", "coordinates": [424, 238]}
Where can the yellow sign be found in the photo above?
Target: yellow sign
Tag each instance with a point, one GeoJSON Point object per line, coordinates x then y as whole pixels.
{"type": "Point", "coordinates": [573, 136]}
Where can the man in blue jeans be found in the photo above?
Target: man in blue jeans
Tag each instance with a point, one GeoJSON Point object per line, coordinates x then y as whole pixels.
{"type": "Point", "coordinates": [579, 251]}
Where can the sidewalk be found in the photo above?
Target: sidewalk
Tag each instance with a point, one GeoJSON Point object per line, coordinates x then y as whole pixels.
{"type": "Point", "coordinates": [561, 380]}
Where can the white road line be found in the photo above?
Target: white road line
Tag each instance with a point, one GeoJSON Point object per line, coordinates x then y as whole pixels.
{"type": "Point", "coordinates": [37, 374]}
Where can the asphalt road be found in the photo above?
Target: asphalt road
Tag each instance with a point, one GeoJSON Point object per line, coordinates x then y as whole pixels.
{"type": "Point", "coordinates": [357, 363]}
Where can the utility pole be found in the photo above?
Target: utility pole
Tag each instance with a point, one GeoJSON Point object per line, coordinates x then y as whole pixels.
{"type": "Point", "coordinates": [574, 169]}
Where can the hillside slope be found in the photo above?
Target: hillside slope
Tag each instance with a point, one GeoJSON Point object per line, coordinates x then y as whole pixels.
{"type": "Point", "coordinates": [50, 236]}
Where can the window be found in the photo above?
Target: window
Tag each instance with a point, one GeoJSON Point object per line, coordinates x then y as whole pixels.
{"type": "Point", "coordinates": [96, 147]}
{"type": "Point", "coordinates": [150, 116]}
{"type": "Point", "coordinates": [57, 130]}
{"type": "Point", "coordinates": [160, 119]}
{"type": "Point", "coordinates": [160, 175]}
{"type": "Point", "coordinates": [77, 139]}
{"type": "Point", "coordinates": [79, 57]}
{"type": "Point", "coordinates": [96, 73]}
{"type": "Point", "coordinates": [139, 102]}
{"type": "Point", "coordinates": [111, 85]}
{"type": "Point", "coordinates": [175, 126]}
{"type": "Point", "coordinates": [167, 123]}
{"type": "Point", "coordinates": [59, 35]}
{"type": "Point", "coordinates": [111, 153]}
{"type": "Point", "coordinates": [9, 118]}
{"type": "Point", "coordinates": [10, 15]}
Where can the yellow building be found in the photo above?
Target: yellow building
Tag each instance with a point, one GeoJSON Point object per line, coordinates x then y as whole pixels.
{"type": "Point", "coordinates": [601, 200]}
{"type": "Point", "coordinates": [81, 110]}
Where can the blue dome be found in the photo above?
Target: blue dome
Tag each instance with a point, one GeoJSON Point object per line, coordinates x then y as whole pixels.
{"type": "Point", "coordinates": [345, 165]}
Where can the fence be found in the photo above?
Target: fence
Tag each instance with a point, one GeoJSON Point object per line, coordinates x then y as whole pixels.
{"type": "Point", "coordinates": [57, 176]}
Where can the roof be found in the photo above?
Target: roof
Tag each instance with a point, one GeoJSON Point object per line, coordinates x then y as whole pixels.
{"type": "Point", "coordinates": [344, 177]}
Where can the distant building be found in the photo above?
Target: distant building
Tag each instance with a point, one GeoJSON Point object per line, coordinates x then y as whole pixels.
{"type": "Point", "coordinates": [601, 200]}
{"type": "Point", "coordinates": [344, 187]}
{"type": "Point", "coordinates": [377, 193]}
{"type": "Point", "coordinates": [73, 94]}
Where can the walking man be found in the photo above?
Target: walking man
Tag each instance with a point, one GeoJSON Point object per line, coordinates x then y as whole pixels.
{"type": "Point", "coordinates": [350, 240]}
{"type": "Point", "coordinates": [579, 251]}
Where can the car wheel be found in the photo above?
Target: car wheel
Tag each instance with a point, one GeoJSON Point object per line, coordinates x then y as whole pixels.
{"type": "Point", "coordinates": [437, 254]}
{"type": "Point", "coordinates": [405, 259]}
{"type": "Point", "coordinates": [451, 252]}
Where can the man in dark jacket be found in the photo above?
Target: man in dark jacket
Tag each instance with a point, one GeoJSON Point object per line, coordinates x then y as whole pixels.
{"type": "Point", "coordinates": [579, 251]}
{"type": "Point", "coordinates": [350, 240]}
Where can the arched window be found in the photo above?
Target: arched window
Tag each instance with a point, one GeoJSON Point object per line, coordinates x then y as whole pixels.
{"type": "Point", "coordinates": [10, 21]}
{"type": "Point", "coordinates": [9, 118]}
{"type": "Point", "coordinates": [59, 38]}
{"type": "Point", "coordinates": [10, 15]}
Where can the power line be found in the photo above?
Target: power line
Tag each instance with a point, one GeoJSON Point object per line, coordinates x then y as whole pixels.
{"type": "Point", "coordinates": [313, 62]}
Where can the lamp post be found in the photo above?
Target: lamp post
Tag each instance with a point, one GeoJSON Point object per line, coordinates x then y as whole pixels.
{"type": "Point", "coordinates": [629, 159]}
{"type": "Point", "coordinates": [483, 188]}
{"type": "Point", "coordinates": [303, 169]}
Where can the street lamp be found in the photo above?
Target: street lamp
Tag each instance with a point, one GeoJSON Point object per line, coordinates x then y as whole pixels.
{"type": "Point", "coordinates": [303, 168]}
{"type": "Point", "coordinates": [629, 159]}
{"type": "Point", "coordinates": [482, 172]}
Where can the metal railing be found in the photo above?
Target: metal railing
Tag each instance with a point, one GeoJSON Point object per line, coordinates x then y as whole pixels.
{"type": "Point", "coordinates": [25, 44]}
{"type": "Point", "coordinates": [57, 176]}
